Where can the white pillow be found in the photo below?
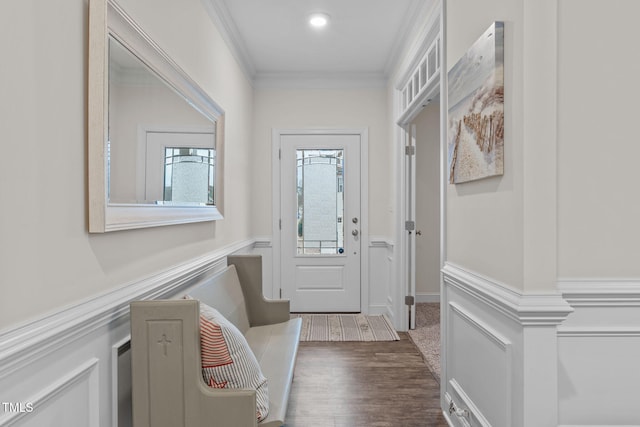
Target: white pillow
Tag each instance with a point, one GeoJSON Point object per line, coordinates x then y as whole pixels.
{"type": "Point", "coordinates": [227, 359]}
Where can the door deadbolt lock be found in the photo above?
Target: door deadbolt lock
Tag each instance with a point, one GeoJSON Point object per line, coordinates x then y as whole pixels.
{"type": "Point", "coordinates": [354, 220]}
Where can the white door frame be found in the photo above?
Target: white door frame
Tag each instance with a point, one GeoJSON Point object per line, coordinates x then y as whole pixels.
{"type": "Point", "coordinates": [402, 133]}
{"type": "Point", "coordinates": [364, 203]}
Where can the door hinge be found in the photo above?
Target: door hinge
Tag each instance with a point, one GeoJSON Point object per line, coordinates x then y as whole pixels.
{"type": "Point", "coordinates": [410, 150]}
{"type": "Point", "coordinates": [409, 225]}
{"type": "Point", "coordinates": [409, 300]}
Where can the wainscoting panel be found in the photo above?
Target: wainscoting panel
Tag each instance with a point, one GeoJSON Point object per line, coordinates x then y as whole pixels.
{"type": "Point", "coordinates": [380, 276]}
{"type": "Point", "coordinates": [492, 364]}
{"type": "Point", "coordinates": [69, 368]}
{"type": "Point", "coordinates": [498, 342]}
{"type": "Point", "coordinates": [599, 354]}
{"type": "Point", "coordinates": [70, 400]}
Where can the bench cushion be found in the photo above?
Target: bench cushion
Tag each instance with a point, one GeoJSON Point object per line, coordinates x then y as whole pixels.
{"type": "Point", "coordinates": [227, 359]}
{"type": "Point", "coordinates": [275, 347]}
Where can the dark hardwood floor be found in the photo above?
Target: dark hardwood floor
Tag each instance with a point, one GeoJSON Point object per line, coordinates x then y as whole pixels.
{"type": "Point", "coordinates": [363, 384]}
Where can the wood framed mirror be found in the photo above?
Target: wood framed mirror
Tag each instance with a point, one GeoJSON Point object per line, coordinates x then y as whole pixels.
{"type": "Point", "coordinates": [155, 138]}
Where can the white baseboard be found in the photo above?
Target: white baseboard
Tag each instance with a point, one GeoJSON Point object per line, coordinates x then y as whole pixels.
{"type": "Point", "coordinates": [428, 297]}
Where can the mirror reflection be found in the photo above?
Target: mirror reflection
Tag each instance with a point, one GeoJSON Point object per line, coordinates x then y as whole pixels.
{"type": "Point", "coordinates": [160, 149]}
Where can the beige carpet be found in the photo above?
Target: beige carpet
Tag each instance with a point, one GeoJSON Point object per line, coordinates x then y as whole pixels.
{"type": "Point", "coordinates": [426, 336]}
{"type": "Point", "coordinates": [346, 327]}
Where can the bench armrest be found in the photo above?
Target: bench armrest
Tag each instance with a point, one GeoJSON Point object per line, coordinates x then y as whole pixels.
{"type": "Point", "coordinates": [261, 311]}
{"type": "Point", "coordinates": [168, 388]}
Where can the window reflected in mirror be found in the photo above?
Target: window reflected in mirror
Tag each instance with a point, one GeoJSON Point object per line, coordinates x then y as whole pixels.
{"type": "Point", "coordinates": [189, 175]}
{"type": "Point", "coordinates": [161, 150]}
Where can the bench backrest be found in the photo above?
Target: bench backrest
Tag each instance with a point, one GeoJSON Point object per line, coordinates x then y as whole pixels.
{"type": "Point", "coordinates": [224, 293]}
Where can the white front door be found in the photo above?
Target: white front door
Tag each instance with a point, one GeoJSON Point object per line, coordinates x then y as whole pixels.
{"type": "Point", "coordinates": [320, 229]}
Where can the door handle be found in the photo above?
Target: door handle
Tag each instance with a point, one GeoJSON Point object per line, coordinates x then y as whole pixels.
{"type": "Point", "coordinates": [355, 233]}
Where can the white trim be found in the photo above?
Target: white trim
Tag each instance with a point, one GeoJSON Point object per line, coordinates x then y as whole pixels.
{"type": "Point", "coordinates": [428, 297]}
{"type": "Point", "coordinates": [601, 292]}
{"type": "Point", "coordinates": [428, 28]}
{"type": "Point", "coordinates": [502, 343]}
{"type": "Point", "coordinates": [526, 309]}
{"type": "Point", "coordinates": [481, 326]}
{"type": "Point", "coordinates": [363, 132]}
{"type": "Point", "coordinates": [85, 371]}
{"type": "Point", "coordinates": [313, 80]}
{"type": "Point", "coordinates": [25, 344]}
{"type": "Point", "coordinates": [442, 53]}
{"type": "Point", "coordinates": [377, 310]}
{"type": "Point", "coordinates": [380, 242]}
{"type": "Point", "coordinates": [126, 217]}
{"type": "Point", "coordinates": [472, 408]}
{"type": "Point", "coordinates": [599, 331]}
{"type": "Point", "coordinates": [416, 15]}
{"type": "Point", "coordinates": [115, 350]}
{"type": "Point", "coordinates": [227, 28]}
{"type": "Point", "coordinates": [262, 242]}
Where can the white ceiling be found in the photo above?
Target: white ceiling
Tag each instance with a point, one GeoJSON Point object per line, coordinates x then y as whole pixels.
{"type": "Point", "coordinates": [272, 38]}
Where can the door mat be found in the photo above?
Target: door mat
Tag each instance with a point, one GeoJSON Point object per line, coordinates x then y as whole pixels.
{"type": "Point", "coordinates": [346, 327]}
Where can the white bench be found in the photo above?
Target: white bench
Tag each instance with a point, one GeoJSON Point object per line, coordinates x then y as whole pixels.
{"type": "Point", "coordinates": [168, 387]}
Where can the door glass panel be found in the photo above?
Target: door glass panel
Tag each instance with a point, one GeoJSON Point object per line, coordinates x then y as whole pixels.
{"type": "Point", "coordinates": [320, 178]}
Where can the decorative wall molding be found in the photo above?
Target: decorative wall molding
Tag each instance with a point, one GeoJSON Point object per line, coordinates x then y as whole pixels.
{"type": "Point", "coordinates": [262, 242]}
{"type": "Point", "coordinates": [380, 242]}
{"type": "Point", "coordinates": [481, 326]}
{"type": "Point", "coordinates": [526, 309]}
{"type": "Point", "coordinates": [601, 293]}
{"type": "Point", "coordinates": [501, 342]}
{"type": "Point", "coordinates": [85, 372]}
{"type": "Point", "coordinates": [599, 331]}
{"type": "Point", "coordinates": [472, 408]}
{"type": "Point", "coordinates": [603, 331]}
{"type": "Point", "coordinates": [25, 344]}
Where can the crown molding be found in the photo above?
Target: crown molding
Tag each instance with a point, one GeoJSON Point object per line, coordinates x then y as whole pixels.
{"type": "Point", "coordinates": [420, 19]}
{"type": "Point", "coordinates": [221, 17]}
{"type": "Point", "coordinates": [418, 13]}
{"type": "Point", "coordinates": [315, 80]}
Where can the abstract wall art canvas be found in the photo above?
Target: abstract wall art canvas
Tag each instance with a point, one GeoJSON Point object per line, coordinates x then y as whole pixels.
{"type": "Point", "coordinates": [476, 110]}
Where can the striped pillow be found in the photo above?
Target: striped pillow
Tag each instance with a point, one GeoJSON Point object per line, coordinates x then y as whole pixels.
{"type": "Point", "coordinates": [227, 359]}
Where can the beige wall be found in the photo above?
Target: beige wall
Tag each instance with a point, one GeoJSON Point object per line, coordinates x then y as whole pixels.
{"type": "Point", "coordinates": [565, 206]}
{"type": "Point", "coordinates": [47, 258]}
{"type": "Point", "coordinates": [428, 199]}
{"type": "Point", "coordinates": [322, 108]}
{"type": "Point", "coordinates": [598, 142]}
{"type": "Point", "coordinates": [505, 227]}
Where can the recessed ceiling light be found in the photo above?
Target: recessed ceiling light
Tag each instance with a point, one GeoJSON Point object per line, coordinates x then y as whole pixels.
{"type": "Point", "coordinates": [318, 20]}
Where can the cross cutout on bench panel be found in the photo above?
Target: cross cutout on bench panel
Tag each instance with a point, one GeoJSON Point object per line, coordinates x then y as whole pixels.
{"type": "Point", "coordinates": [164, 342]}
